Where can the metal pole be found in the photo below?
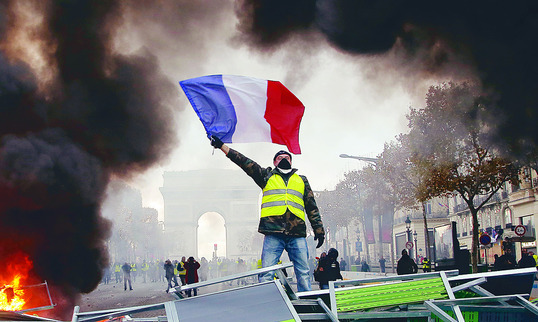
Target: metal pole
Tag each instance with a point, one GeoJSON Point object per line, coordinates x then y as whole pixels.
{"type": "Point", "coordinates": [416, 252]}
{"type": "Point", "coordinates": [408, 240]}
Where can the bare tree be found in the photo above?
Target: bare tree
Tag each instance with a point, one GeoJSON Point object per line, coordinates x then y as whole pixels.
{"type": "Point", "coordinates": [403, 170]}
{"type": "Point", "coordinates": [450, 139]}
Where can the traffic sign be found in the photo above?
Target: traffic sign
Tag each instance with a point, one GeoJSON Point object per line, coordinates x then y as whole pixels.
{"type": "Point", "coordinates": [409, 245]}
{"type": "Point", "coordinates": [485, 239]}
{"type": "Point", "coordinates": [520, 230]}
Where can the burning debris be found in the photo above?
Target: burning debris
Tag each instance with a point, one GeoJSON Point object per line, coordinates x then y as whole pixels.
{"type": "Point", "coordinates": [72, 114]}
{"type": "Point", "coordinates": [12, 278]}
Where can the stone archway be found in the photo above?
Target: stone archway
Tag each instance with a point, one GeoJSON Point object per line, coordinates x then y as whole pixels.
{"type": "Point", "coordinates": [211, 235]}
{"type": "Point", "coordinates": [190, 194]}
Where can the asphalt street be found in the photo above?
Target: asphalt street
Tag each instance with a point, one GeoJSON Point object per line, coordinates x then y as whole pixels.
{"type": "Point", "coordinates": [113, 296]}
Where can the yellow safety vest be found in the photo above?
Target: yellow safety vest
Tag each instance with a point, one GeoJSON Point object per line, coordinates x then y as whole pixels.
{"type": "Point", "coordinates": [426, 264]}
{"type": "Point", "coordinates": [277, 197]}
{"type": "Point", "coordinates": [184, 271]}
{"type": "Point", "coordinates": [133, 267]}
{"type": "Point", "coordinates": [117, 268]}
{"type": "Point", "coordinates": [535, 259]}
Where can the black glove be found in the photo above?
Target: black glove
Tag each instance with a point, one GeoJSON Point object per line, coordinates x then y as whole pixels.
{"type": "Point", "coordinates": [320, 238]}
{"type": "Point", "coordinates": [216, 142]}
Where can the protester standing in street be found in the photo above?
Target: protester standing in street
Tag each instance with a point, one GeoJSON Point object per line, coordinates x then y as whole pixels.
{"type": "Point", "coordinates": [117, 272]}
{"type": "Point", "coordinates": [181, 270]}
{"type": "Point", "coordinates": [286, 203]}
{"type": "Point", "coordinates": [343, 264]}
{"type": "Point", "coordinates": [126, 268]}
{"type": "Point", "coordinates": [169, 274]}
{"type": "Point", "coordinates": [426, 265]}
{"type": "Point", "coordinates": [506, 260]}
{"type": "Point", "coordinates": [365, 267]}
{"type": "Point", "coordinates": [328, 269]}
{"type": "Point", "coordinates": [526, 261]}
{"type": "Point", "coordinates": [382, 262]}
{"type": "Point", "coordinates": [191, 275]}
{"type": "Point", "coordinates": [204, 269]}
{"type": "Point", "coordinates": [406, 265]}
{"type": "Point", "coordinates": [145, 269]}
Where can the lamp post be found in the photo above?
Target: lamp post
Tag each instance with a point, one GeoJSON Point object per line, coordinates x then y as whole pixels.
{"type": "Point", "coordinates": [366, 159]}
{"type": "Point", "coordinates": [408, 230]}
{"type": "Point", "coordinates": [407, 227]}
{"type": "Point", "coordinates": [358, 245]}
{"type": "Point", "coordinates": [416, 253]}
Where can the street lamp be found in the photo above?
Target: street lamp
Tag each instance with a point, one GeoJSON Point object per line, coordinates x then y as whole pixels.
{"type": "Point", "coordinates": [407, 227]}
{"type": "Point", "coordinates": [416, 253]}
{"type": "Point", "coordinates": [408, 230]}
{"type": "Point", "coordinates": [372, 160]}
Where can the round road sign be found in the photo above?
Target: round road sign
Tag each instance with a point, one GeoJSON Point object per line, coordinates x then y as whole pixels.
{"type": "Point", "coordinates": [485, 239]}
{"type": "Point", "coordinates": [520, 230]}
{"type": "Point", "coordinates": [409, 245]}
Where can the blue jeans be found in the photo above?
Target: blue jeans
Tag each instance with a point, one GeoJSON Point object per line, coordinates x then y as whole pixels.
{"type": "Point", "coordinates": [274, 245]}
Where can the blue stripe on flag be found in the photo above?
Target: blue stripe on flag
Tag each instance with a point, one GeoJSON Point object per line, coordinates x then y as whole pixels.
{"type": "Point", "coordinates": [211, 101]}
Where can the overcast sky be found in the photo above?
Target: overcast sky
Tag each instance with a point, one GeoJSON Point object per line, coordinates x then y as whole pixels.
{"type": "Point", "coordinates": [354, 104]}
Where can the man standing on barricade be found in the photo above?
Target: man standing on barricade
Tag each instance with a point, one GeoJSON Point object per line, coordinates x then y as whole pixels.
{"type": "Point", "coordinates": [287, 201]}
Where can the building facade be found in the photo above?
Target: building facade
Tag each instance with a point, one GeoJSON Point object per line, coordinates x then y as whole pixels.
{"type": "Point", "coordinates": [510, 207]}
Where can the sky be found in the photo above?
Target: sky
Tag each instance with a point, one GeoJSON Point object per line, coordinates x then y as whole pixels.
{"type": "Point", "coordinates": [353, 104]}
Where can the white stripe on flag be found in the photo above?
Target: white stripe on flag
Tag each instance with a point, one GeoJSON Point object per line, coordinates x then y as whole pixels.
{"type": "Point", "coordinates": [249, 97]}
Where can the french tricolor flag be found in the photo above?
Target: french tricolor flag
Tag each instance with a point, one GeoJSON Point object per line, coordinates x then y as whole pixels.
{"type": "Point", "coordinates": [239, 109]}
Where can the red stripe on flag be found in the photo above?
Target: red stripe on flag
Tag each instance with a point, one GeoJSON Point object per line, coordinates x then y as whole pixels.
{"type": "Point", "coordinates": [284, 112]}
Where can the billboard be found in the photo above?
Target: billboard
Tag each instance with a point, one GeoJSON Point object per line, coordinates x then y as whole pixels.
{"type": "Point", "coordinates": [444, 245]}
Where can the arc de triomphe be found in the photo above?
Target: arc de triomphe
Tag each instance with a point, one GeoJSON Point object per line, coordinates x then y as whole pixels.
{"type": "Point", "coordinates": [190, 194]}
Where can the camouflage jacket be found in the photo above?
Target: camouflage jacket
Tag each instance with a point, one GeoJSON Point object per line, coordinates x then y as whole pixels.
{"type": "Point", "coordinates": [287, 224]}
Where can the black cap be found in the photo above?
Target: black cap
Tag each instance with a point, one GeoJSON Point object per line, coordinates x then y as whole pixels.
{"type": "Point", "coordinates": [281, 152]}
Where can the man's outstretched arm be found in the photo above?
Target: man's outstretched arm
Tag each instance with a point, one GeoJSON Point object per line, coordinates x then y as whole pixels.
{"type": "Point", "coordinates": [251, 168]}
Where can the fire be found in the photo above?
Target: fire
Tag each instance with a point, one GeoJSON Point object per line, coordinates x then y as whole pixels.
{"type": "Point", "coordinates": [14, 274]}
{"type": "Point", "coordinates": [12, 296]}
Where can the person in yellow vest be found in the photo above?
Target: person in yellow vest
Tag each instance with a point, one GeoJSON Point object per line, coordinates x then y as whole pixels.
{"type": "Point", "coordinates": [117, 272]}
{"type": "Point", "coordinates": [181, 270]}
{"type": "Point", "coordinates": [287, 201]}
{"type": "Point", "coordinates": [133, 272]}
{"type": "Point", "coordinates": [145, 269]}
{"type": "Point", "coordinates": [426, 265]}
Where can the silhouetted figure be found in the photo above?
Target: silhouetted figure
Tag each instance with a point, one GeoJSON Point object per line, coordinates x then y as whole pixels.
{"type": "Point", "coordinates": [526, 261]}
{"type": "Point", "coordinates": [328, 269]}
{"type": "Point", "coordinates": [507, 260]}
{"type": "Point", "coordinates": [169, 274]}
{"type": "Point", "coordinates": [365, 267]}
{"type": "Point", "coordinates": [382, 262]}
{"type": "Point", "coordinates": [126, 268]}
{"type": "Point", "coordinates": [191, 276]}
{"type": "Point", "coordinates": [406, 265]}
{"type": "Point", "coordinates": [343, 264]}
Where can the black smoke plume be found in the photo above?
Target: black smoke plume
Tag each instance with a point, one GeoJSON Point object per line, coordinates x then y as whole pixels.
{"type": "Point", "coordinates": [497, 39]}
{"type": "Point", "coordinates": [65, 129]}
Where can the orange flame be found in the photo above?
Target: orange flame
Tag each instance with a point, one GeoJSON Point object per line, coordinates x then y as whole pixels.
{"type": "Point", "coordinates": [14, 274]}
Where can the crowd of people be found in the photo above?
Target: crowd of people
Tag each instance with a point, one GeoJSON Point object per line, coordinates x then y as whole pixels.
{"type": "Point", "coordinates": [323, 269]}
{"type": "Point", "coordinates": [508, 260]}
{"type": "Point", "coordinates": [175, 272]}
